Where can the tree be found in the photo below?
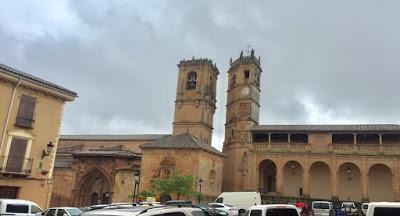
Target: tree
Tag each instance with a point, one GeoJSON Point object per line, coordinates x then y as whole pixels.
{"type": "Point", "coordinates": [178, 185]}
{"type": "Point", "coordinates": [142, 194]}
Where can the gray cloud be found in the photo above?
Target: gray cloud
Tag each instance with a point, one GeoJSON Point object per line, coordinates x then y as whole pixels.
{"type": "Point", "coordinates": [323, 62]}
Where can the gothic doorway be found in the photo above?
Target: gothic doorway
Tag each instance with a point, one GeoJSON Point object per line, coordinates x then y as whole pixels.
{"type": "Point", "coordinates": [93, 189]}
{"type": "Point", "coordinates": [267, 177]}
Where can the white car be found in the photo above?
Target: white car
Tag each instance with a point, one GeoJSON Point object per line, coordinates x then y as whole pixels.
{"type": "Point", "coordinates": [322, 208]}
{"type": "Point", "coordinates": [231, 210]}
{"type": "Point", "coordinates": [364, 208]}
{"type": "Point", "coordinates": [19, 207]}
{"type": "Point", "coordinates": [383, 209]}
{"type": "Point", "coordinates": [63, 211]}
{"type": "Point", "coordinates": [272, 210]}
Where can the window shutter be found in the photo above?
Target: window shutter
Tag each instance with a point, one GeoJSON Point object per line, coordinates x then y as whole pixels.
{"type": "Point", "coordinates": [26, 111]}
{"type": "Point", "coordinates": [16, 155]}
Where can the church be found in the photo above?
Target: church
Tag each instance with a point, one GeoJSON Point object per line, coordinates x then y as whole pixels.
{"type": "Point", "coordinates": [329, 162]}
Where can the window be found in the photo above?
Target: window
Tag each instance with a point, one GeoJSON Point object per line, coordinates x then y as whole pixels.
{"type": "Point", "coordinates": [342, 138]}
{"type": "Point", "coordinates": [260, 137]}
{"type": "Point", "coordinates": [255, 213]}
{"type": "Point", "coordinates": [246, 74]}
{"type": "Point", "coordinates": [219, 200]}
{"type": "Point", "coordinates": [174, 214]}
{"type": "Point", "coordinates": [279, 138]}
{"type": "Point", "coordinates": [191, 80]}
{"type": "Point", "coordinates": [9, 192]}
{"type": "Point", "coordinates": [61, 212]}
{"type": "Point", "coordinates": [51, 212]}
{"type": "Point", "coordinates": [26, 112]}
{"type": "Point", "coordinates": [367, 138]}
{"type": "Point", "coordinates": [282, 212]}
{"type": "Point", "coordinates": [386, 211]}
{"type": "Point", "coordinates": [35, 209]}
{"type": "Point", "coordinates": [299, 138]}
{"type": "Point", "coordinates": [198, 213]}
{"type": "Point", "coordinates": [17, 208]}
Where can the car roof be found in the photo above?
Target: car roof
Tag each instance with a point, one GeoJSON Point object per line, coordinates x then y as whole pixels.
{"type": "Point", "coordinates": [18, 201]}
{"type": "Point", "coordinates": [321, 202]}
{"type": "Point", "coordinates": [268, 206]}
{"type": "Point", "coordinates": [384, 204]}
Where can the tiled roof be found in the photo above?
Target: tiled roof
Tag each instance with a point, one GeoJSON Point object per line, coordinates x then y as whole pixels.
{"type": "Point", "coordinates": [330, 128]}
{"type": "Point", "coordinates": [181, 141]}
{"type": "Point", "coordinates": [35, 79]}
{"type": "Point", "coordinates": [96, 153]}
{"type": "Point", "coordinates": [114, 137]}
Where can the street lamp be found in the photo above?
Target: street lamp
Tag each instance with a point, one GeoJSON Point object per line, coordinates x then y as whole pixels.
{"type": "Point", "coordinates": [136, 177]}
{"type": "Point", "coordinates": [200, 181]}
{"type": "Point", "coordinates": [50, 147]}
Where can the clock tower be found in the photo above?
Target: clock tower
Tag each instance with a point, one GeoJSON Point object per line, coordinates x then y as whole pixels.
{"type": "Point", "coordinates": [196, 98]}
{"type": "Point", "coordinates": [242, 112]}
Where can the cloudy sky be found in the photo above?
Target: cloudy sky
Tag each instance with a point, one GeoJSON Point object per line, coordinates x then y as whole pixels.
{"type": "Point", "coordinates": [323, 61]}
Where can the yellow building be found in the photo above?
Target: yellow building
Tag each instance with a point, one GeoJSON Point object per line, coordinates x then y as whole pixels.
{"type": "Point", "coordinates": [30, 120]}
{"type": "Point", "coordinates": [333, 162]}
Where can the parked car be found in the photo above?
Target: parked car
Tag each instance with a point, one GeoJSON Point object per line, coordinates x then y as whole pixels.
{"type": "Point", "coordinates": [148, 211]}
{"type": "Point", "coordinates": [322, 208]}
{"type": "Point", "coordinates": [241, 200]}
{"type": "Point", "coordinates": [272, 210]}
{"type": "Point", "coordinates": [211, 211]}
{"type": "Point", "coordinates": [179, 203]}
{"type": "Point", "coordinates": [364, 208]}
{"type": "Point", "coordinates": [63, 211]}
{"type": "Point", "coordinates": [383, 209]}
{"type": "Point", "coordinates": [349, 208]}
{"type": "Point", "coordinates": [229, 209]}
{"type": "Point", "coordinates": [19, 207]}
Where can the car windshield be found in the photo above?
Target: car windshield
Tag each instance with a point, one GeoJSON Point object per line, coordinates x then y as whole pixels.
{"type": "Point", "coordinates": [365, 206]}
{"type": "Point", "coordinates": [321, 205]}
{"type": "Point", "coordinates": [345, 205]}
{"type": "Point", "coordinates": [74, 211]}
{"type": "Point", "coordinates": [282, 212]}
{"type": "Point", "coordinates": [229, 205]}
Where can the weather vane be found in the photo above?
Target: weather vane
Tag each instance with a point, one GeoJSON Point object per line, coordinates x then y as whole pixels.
{"type": "Point", "coordinates": [248, 49]}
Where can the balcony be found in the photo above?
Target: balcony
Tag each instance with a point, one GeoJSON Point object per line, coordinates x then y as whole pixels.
{"type": "Point", "coordinates": [16, 166]}
{"type": "Point", "coordinates": [339, 149]}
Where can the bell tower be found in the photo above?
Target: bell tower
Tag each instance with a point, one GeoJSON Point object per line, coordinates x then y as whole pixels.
{"type": "Point", "coordinates": [242, 112]}
{"type": "Point", "coordinates": [196, 98]}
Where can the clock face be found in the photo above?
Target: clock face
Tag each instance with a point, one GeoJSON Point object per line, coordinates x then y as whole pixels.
{"type": "Point", "coordinates": [245, 91]}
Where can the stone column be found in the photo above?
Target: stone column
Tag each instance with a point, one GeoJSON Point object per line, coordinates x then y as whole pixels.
{"type": "Point", "coordinates": [279, 177]}
{"type": "Point", "coordinates": [364, 180]}
{"type": "Point", "coordinates": [334, 179]}
{"type": "Point", "coordinates": [306, 182]}
{"type": "Point", "coordinates": [395, 180]}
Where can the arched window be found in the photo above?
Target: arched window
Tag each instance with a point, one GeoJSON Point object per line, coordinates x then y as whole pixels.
{"type": "Point", "coordinates": [191, 80]}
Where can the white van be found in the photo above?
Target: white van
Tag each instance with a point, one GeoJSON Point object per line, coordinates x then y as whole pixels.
{"type": "Point", "coordinates": [322, 208]}
{"type": "Point", "coordinates": [272, 210]}
{"type": "Point", "coordinates": [383, 209]}
{"type": "Point", "coordinates": [241, 200]}
{"type": "Point", "coordinates": [18, 207]}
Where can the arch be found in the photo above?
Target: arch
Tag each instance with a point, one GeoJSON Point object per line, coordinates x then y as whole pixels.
{"type": "Point", "coordinates": [293, 179]}
{"type": "Point", "coordinates": [380, 183]}
{"type": "Point", "coordinates": [93, 184]}
{"type": "Point", "coordinates": [349, 182]}
{"type": "Point", "coordinates": [191, 80]}
{"type": "Point", "coordinates": [267, 176]}
{"type": "Point", "coordinates": [320, 180]}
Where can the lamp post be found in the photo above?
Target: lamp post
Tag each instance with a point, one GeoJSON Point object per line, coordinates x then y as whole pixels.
{"type": "Point", "coordinates": [136, 177]}
{"type": "Point", "coordinates": [49, 148]}
{"type": "Point", "coordinates": [200, 181]}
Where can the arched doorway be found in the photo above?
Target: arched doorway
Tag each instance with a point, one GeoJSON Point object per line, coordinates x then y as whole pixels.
{"type": "Point", "coordinates": [267, 177]}
{"type": "Point", "coordinates": [349, 177]}
{"type": "Point", "coordinates": [320, 181]}
{"type": "Point", "coordinates": [293, 179]}
{"type": "Point", "coordinates": [93, 188]}
{"type": "Point", "coordinates": [380, 185]}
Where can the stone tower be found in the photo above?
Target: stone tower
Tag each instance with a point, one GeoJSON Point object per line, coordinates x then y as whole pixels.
{"type": "Point", "coordinates": [242, 112]}
{"type": "Point", "coordinates": [195, 98]}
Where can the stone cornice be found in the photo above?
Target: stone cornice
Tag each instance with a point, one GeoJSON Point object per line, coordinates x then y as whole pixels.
{"type": "Point", "coordinates": [198, 62]}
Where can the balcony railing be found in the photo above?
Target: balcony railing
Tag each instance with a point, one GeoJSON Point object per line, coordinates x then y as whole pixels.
{"type": "Point", "coordinates": [361, 149]}
{"type": "Point", "coordinates": [16, 165]}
